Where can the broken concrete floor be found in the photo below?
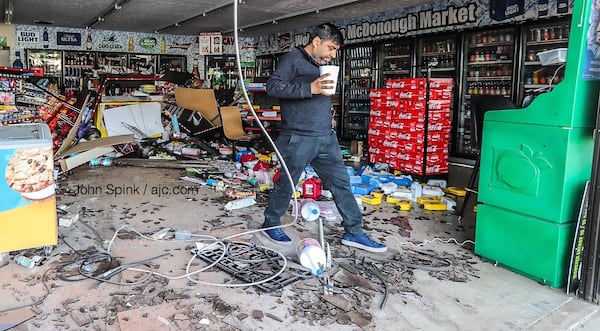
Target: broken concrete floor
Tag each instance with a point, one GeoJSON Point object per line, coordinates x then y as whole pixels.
{"type": "Point", "coordinates": [421, 283]}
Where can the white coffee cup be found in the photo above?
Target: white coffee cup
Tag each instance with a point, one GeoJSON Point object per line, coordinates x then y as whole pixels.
{"type": "Point", "coordinates": [333, 72]}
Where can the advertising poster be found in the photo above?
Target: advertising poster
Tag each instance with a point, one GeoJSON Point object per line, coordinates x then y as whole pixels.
{"type": "Point", "coordinates": [591, 61]}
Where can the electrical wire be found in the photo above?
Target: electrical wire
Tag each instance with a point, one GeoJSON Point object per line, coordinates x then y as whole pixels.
{"type": "Point", "coordinates": [188, 274]}
{"type": "Point", "coordinates": [427, 242]}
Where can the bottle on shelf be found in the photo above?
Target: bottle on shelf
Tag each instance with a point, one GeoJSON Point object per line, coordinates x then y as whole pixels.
{"type": "Point", "coordinates": [88, 43]}
{"type": "Point", "coordinates": [45, 39]}
{"type": "Point", "coordinates": [18, 63]}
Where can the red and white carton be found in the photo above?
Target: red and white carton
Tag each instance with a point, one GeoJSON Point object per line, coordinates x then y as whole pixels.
{"type": "Point", "coordinates": [406, 83]}
{"type": "Point", "coordinates": [439, 105]}
{"type": "Point", "coordinates": [441, 94]}
{"type": "Point", "coordinates": [415, 95]}
{"type": "Point", "coordinates": [441, 83]}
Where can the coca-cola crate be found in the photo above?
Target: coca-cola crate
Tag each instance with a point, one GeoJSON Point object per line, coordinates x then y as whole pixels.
{"type": "Point", "coordinates": [440, 83]}
{"type": "Point", "coordinates": [419, 137]}
{"type": "Point", "coordinates": [441, 94]}
{"type": "Point", "coordinates": [415, 95]}
{"type": "Point", "coordinates": [381, 94]}
{"type": "Point", "coordinates": [442, 125]}
{"type": "Point", "coordinates": [439, 105]}
{"type": "Point", "coordinates": [440, 158]}
{"type": "Point", "coordinates": [435, 116]}
{"type": "Point", "coordinates": [381, 122]}
{"type": "Point", "coordinates": [406, 83]}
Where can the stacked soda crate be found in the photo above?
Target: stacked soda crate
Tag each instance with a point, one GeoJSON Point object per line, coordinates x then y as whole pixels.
{"type": "Point", "coordinates": [401, 135]}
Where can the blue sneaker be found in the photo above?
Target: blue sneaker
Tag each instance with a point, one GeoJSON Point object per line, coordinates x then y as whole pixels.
{"type": "Point", "coordinates": [363, 241]}
{"type": "Point", "coordinates": [278, 236]}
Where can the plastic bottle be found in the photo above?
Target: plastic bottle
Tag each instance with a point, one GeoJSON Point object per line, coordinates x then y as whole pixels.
{"type": "Point", "coordinates": [312, 256]}
{"type": "Point", "coordinates": [24, 261]}
{"type": "Point", "coordinates": [240, 203]}
{"type": "Point", "coordinates": [310, 210]}
{"type": "Point", "coordinates": [416, 191]}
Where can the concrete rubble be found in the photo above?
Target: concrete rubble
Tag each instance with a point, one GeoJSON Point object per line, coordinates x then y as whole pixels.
{"type": "Point", "coordinates": [420, 283]}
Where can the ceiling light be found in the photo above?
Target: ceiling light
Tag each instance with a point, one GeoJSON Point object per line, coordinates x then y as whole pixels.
{"type": "Point", "coordinates": [204, 14]}
{"type": "Point", "coordinates": [177, 24]}
{"type": "Point", "coordinates": [117, 7]}
{"type": "Point", "coordinates": [100, 19]}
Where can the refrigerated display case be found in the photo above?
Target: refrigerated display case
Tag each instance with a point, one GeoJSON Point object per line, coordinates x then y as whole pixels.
{"type": "Point", "coordinates": [438, 52]}
{"type": "Point", "coordinates": [172, 62]}
{"type": "Point", "coordinates": [144, 64]}
{"type": "Point", "coordinates": [396, 60]}
{"type": "Point", "coordinates": [489, 69]}
{"type": "Point", "coordinates": [50, 61]}
{"type": "Point", "coordinates": [537, 78]}
{"type": "Point", "coordinates": [112, 63]}
{"type": "Point", "coordinates": [76, 65]}
{"type": "Point", "coordinates": [222, 75]}
{"type": "Point", "coordinates": [360, 76]}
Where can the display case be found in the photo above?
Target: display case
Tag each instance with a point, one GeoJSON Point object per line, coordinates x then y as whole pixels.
{"type": "Point", "coordinates": [439, 54]}
{"type": "Point", "coordinates": [359, 73]}
{"type": "Point", "coordinates": [172, 63]}
{"type": "Point", "coordinates": [489, 69]}
{"type": "Point", "coordinates": [49, 61]}
{"type": "Point", "coordinates": [112, 63]}
{"type": "Point", "coordinates": [396, 60]}
{"type": "Point", "coordinates": [537, 78]}
{"type": "Point", "coordinates": [76, 65]}
{"type": "Point", "coordinates": [145, 64]}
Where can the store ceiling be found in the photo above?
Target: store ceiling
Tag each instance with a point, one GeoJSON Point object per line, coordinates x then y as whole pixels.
{"type": "Point", "coordinates": [190, 17]}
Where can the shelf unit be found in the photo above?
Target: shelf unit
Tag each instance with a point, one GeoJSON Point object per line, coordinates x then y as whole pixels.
{"type": "Point", "coordinates": [359, 73]}
{"type": "Point", "coordinates": [538, 38]}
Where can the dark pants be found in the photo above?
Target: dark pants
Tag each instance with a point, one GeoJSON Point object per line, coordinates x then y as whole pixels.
{"type": "Point", "coordinates": [324, 155]}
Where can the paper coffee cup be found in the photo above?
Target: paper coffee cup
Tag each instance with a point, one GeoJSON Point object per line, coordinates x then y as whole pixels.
{"type": "Point", "coordinates": [333, 72]}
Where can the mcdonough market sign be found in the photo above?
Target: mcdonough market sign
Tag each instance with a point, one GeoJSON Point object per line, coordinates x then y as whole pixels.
{"type": "Point", "coordinates": [450, 15]}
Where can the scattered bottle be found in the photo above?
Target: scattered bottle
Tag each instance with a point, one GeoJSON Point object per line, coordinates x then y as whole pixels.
{"type": "Point", "coordinates": [101, 161]}
{"type": "Point", "coordinates": [240, 203]}
{"type": "Point", "coordinates": [312, 256]}
{"type": "Point", "coordinates": [24, 261]}
{"type": "Point", "coordinates": [310, 210]}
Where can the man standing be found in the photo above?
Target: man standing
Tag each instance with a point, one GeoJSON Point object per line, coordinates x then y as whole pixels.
{"type": "Point", "coordinates": [307, 137]}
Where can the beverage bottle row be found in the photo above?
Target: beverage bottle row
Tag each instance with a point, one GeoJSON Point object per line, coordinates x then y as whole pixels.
{"type": "Point", "coordinates": [445, 46]}
{"type": "Point", "coordinates": [500, 53]}
{"type": "Point", "coordinates": [395, 50]}
{"type": "Point", "coordinates": [492, 37]}
{"type": "Point", "coordinates": [548, 33]}
{"type": "Point", "coordinates": [444, 61]}
{"type": "Point", "coordinates": [361, 52]}
{"type": "Point", "coordinates": [489, 88]}
{"type": "Point", "coordinates": [490, 70]}
{"type": "Point", "coordinates": [73, 59]}
{"type": "Point", "coordinates": [360, 63]}
{"type": "Point", "coordinates": [359, 94]}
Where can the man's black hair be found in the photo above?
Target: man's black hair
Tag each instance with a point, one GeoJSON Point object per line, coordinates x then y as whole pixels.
{"type": "Point", "coordinates": [327, 31]}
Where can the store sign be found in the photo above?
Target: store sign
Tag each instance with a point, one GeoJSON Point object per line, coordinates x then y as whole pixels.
{"type": "Point", "coordinates": [28, 37]}
{"type": "Point", "coordinates": [111, 42]}
{"type": "Point", "coordinates": [211, 43]}
{"type": "Point", "coordinates": [148, 43]}
{"type": "Point", "coordinates": [68, 38]}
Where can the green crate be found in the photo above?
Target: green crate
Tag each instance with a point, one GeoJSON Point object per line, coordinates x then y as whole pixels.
{"type": "Point", "coordinates": [535, 170]}
{"type": "Point", "coordinates": [526, 245]}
